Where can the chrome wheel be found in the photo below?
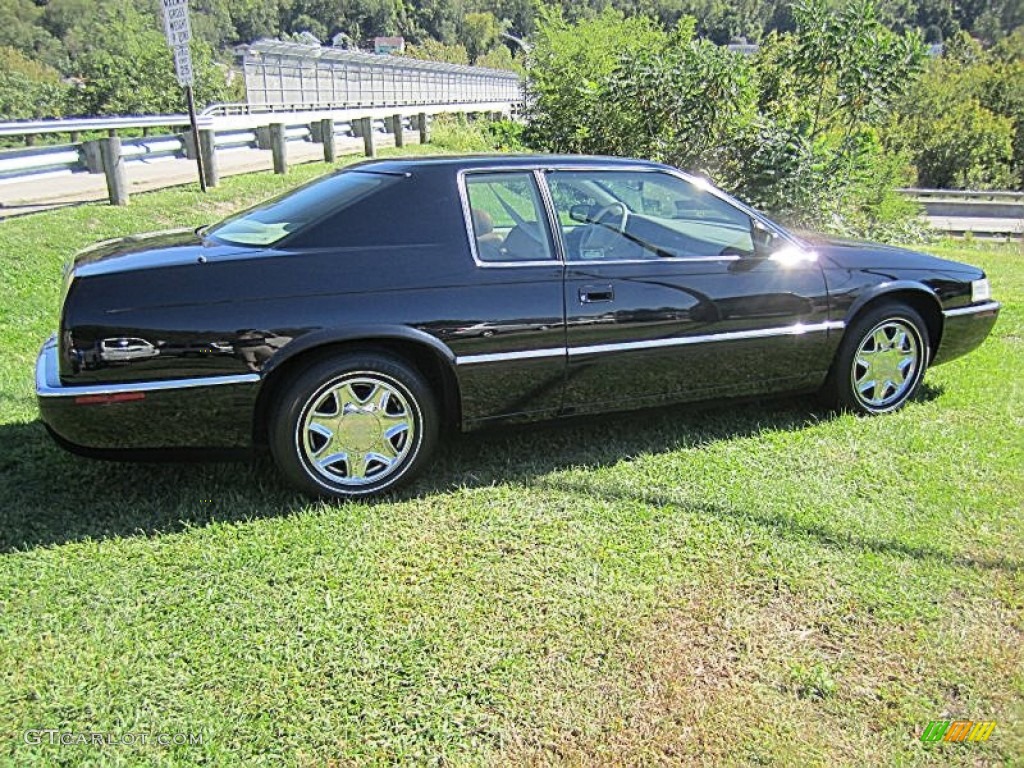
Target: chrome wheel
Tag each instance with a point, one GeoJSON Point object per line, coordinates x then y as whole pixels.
{"type": "Point", "coordinates": [357, 429]}
{"type": "Point", "coordinates": [887, 364]}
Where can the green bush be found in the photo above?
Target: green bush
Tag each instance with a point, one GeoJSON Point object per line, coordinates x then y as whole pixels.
{"type": "Point", "coordinates": [507, 135]}
{"type": "Point", "coordinates": [568, 66]}
{"type": "Point", "coordinates": [962, 122]}
{"type": "Point", "coordinates": [789, 130]}
{"type": "Point", "coordinates": [28, 89]}
{"type": "Point", "coordinates": [456, 134]}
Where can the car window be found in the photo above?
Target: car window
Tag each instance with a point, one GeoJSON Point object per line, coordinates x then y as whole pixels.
{"type": "Point", "coordinates": [625, 215]}
{"type": "Point", "coordinates": [273, 220]}
{"type": "Point", "coordinates": [507, 217]}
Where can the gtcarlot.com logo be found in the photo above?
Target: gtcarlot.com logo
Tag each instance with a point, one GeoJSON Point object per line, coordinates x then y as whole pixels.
{"type": "Point", "coordinates": [56, 737]}
{"type": "Point", "coordinates": [958, 730]}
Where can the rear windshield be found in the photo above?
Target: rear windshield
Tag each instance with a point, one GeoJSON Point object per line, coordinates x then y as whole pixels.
{"type": "Point", "coordinates": [275, 219]}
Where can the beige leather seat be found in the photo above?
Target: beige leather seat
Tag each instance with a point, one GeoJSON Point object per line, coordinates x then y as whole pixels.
{"type": "Point", "coordinates": [488, 242]}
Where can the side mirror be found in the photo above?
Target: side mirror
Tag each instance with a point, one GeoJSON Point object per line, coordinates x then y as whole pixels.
{"type": "Point", "coordinates": [763, 238]}
{"type": "Point", "coordinates": [580, 212]}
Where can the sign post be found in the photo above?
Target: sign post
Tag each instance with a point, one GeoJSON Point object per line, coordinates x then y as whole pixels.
{"type": "Point", "coordinates": [179, 34]}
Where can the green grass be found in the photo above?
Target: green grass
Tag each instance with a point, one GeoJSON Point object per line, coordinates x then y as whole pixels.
{"type": "Point", "coordinates": [755, 584]}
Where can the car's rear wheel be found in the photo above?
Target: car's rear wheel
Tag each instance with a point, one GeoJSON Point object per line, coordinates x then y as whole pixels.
{"type": "Point", "coordinates": [354, 426]}
{"type": "Point", "coordinates": [881, 361]}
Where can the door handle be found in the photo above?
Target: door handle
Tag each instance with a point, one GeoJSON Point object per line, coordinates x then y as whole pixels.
{"type": "Point", "coordinates": [593, 293]}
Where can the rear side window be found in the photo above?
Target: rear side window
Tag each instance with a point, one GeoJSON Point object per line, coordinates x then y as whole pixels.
{"type": "Point", "coordinates": [275, 219]}
{"type": "Point", "coordinates": [507, 217]}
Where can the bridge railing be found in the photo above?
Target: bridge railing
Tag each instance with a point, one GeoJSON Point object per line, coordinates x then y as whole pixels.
{"type": "Point", "coordinates": [281, 73]}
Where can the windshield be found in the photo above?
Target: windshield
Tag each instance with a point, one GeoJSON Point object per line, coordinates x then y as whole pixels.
{"type": "Point", "coordinates": [279, 217]}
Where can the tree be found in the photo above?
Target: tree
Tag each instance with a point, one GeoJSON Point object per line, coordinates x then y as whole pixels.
{"type": "Point", "coordinates": [28, 89]}
{"type": "Point", "coordinates": [500, 57]}
{"type": "Point", "coordinates": [22, 30]}
{"type": "Point", "coordinates": [792, 129]}
{"type": "Point", "coordinates": [568, 68]}
{"type": "Point", "coordinates": [126, 67]}
{"type": "Point", "coordinates": [431, 50]}
{"type": "Point", "coordinates": [680, 101]}
{"type": "Point", "coordinates": [480, 33]}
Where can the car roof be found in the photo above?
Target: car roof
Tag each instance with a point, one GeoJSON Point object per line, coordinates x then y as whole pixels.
{"type": "Point", "coordinates": [462, 162]}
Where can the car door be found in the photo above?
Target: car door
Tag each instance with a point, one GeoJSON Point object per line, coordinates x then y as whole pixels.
{"type": "Point", "coordinates": [667, 297]}
{"type": "Point", "coordinates": [509, 340]}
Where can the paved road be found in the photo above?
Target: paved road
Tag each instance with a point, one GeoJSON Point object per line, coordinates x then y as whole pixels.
{"type": "Point", "coordinates": [23, 196]}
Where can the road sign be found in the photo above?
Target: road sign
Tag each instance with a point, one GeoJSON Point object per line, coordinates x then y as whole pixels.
{"type": "Point", "coordinates": [183, 65]}
{"type": "Point", "coordinates": [176, 23]}
{"type": "Point", "coordinates": [179, 33]}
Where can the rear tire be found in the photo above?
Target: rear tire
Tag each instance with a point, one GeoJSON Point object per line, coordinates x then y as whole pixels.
{"type": "Point", "coordinates": [354, 426]}
{"type": "Point", "coordinates": [881, 360]}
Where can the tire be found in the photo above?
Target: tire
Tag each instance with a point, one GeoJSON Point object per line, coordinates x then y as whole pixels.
{"type": "Point", "coordinates": [864, 383]}
{"type": "Point", "coordinates": [354, 426]}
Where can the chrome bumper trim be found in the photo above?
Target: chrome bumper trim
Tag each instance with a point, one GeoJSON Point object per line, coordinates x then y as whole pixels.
{"type": "Point", "coordinates": [988, 306]}
{"type": "Point", "coordinates": [48, 379]}
{"type": "Point", "coordinates": [675, 341]}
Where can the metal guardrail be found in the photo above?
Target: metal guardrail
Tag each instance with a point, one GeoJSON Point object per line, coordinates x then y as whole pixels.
{"type": "Point", "coordinates": [267, 131]}
{"type": "Point", "coordinates": [962, 194]}
{"type": "Point", "coordinates": [234, 131]}
{"type": "Point", "coordinates": [78, 125]}
{"type": "Point", "coordinates": [985, 213]}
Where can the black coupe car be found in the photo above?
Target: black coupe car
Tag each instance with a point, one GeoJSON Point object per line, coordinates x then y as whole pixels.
{"type": "Point", "coordinates": [346, 324]}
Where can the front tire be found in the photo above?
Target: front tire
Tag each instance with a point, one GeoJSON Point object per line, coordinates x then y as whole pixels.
{"type": "Point", "coordinates": [354, 426]}
{"type": "Point", "coordinates": [881, 361]}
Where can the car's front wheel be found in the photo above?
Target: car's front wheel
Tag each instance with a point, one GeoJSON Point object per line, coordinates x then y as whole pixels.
{"type": "Point", "coordinates": [354, 426]}
{"type": "Point", "coordinates": [881, 361]}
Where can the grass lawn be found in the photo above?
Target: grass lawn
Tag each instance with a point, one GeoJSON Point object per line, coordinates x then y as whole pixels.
{"type": "Point", "coordinates": [756, 584]}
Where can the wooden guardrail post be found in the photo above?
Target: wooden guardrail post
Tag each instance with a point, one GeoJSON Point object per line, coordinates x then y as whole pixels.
{"type": "Point", "coordinates": [91, 156]}
{"type": "Point", "coordinates": [396, 128]}
{"type": "Point", "coordinates": [278, 147]}
{"type": "Point", "coordinates": [421, 123]}
{"type": "Point", "coordinates": [327, 136]}
{"type": "Point", "coordinates": [113, 167]}
{"type": "Point", "coordinates": [207, 148]}
{"type": "Point", "coordinates": [367, 130]}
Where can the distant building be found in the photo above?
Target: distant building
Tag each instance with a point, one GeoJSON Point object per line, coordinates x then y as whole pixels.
{"type": "Point", "coordinates": [747, 49]}
{"type": "Point", "coordinates": [388, 45]}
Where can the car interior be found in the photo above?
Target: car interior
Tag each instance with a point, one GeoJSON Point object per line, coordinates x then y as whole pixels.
{"type": "Point", "coordinates": [610, 219]}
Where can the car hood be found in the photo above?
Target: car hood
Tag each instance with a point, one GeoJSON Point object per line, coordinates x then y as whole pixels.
{"type": "Point", "coordinates": [169, 248]}
{"type": "Point", "coordinates": [859, 254]}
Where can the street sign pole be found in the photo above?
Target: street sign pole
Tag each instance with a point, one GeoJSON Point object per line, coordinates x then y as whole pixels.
{"type": "Point", "coordinates": [179, 33]}
{"type": "Point", "coordinates": [195, 136]}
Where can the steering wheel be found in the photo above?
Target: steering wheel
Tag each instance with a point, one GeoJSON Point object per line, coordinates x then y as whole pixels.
{"type": "Point", "coordinates": [602, 234]}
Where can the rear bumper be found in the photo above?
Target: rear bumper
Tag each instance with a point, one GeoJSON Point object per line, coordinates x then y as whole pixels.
{"type": "Point", "coordinates": [964, 329]}
{"type": "Point", "coordinates": [210, 412]}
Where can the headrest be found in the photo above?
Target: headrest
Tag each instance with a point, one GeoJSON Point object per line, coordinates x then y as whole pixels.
{"type": "Point", "coordinates": [483, 224]}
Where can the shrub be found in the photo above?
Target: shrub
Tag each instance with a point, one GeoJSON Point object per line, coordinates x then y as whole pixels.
{"type": "Point", "coordinates": [28, 89]}
{"type": "Point", "coordinates": [567, 68]}
{"type": "Point", "coordinates": [790, 130]}
{"type": "Point", "coordinates": [456, 134]}
{"type": "Point", "coordinates": [962, 123]}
